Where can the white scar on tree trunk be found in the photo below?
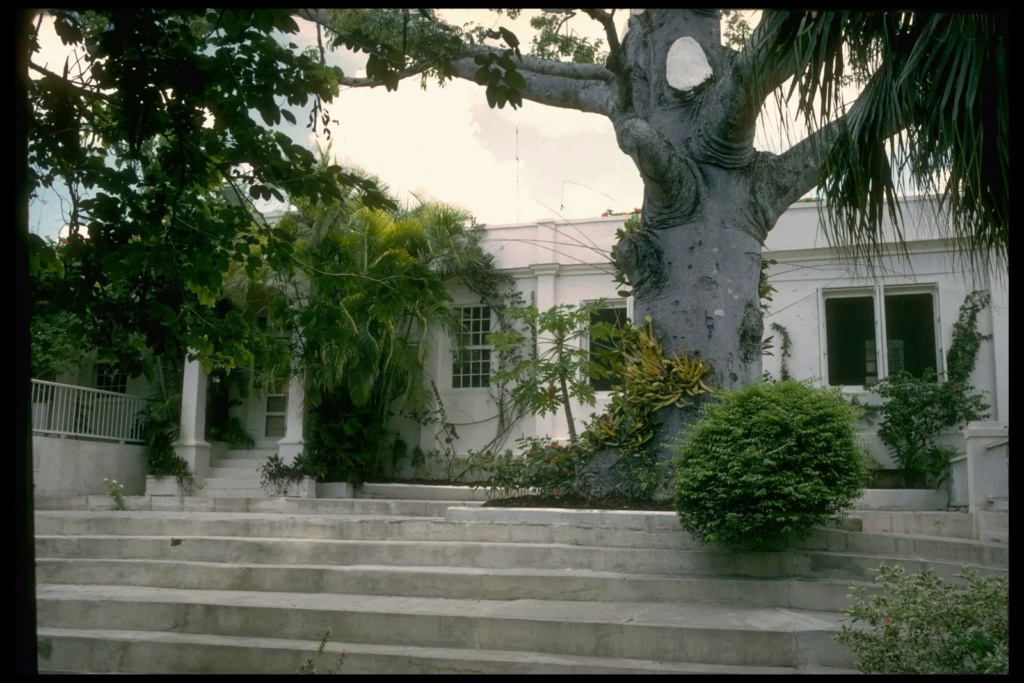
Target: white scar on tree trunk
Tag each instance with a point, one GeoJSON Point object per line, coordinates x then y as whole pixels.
{"type": "Point", "coordinates": [686, 65]}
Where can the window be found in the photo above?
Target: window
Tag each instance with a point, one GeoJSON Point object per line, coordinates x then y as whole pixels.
{"type": "Point", "coordinates": [109, 378]}
{"type": "Point", "coordinates": [471, 362]}
{"type": "Point", "coordinates": [616, 316]}
{"type": "Point", "coordinates": [277, 404]}
{"type": "Point", "coordinates": [859, 351]}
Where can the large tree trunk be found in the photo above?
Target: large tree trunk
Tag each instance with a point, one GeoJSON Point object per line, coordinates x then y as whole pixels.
{"type": "Point", "coordinates": [698, 283]}
{"type": "Point", "coordinates": [696, 261]}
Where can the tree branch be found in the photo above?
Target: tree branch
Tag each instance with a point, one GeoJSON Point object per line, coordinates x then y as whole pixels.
{"type": "Point", "coordinates": [79, 90]}
{"type": "Point", "coordinates": [543, 67]}
{"type": "Point", "coordinates": [755, 74]}
{"type": "Point", "coordinates": [786, 177]}
{"type": "Point", "coordinates": [609, 27]}
{"type": "Point", "coordinates": [615, 63]}
{"type": "Point", "coordinates": [783, 179]}
{"type": "Point", "coordinates": [589, 96]}
{"type": "Point", "coordinates": [670, 184]}
{"type": "Point", "coordinates": [373, 82]}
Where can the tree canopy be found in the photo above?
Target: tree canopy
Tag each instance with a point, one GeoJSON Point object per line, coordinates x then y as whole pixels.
{"type": "Point", "coordinates": [160, 129]}
{"type": "Point", "coordinates": [933, 103]}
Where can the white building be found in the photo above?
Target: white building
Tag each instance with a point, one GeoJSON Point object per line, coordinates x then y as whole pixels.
{"type": "Point", "coordinates": [848, 326]}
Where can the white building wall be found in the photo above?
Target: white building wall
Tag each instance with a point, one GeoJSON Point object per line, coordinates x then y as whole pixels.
{"type": "Point", "coordinates": [578, 251]}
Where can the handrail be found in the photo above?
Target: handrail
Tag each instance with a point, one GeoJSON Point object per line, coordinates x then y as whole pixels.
{"type": "Point", "coordinates": [68, 410]}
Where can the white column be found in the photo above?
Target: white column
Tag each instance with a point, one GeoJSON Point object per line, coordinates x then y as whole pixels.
{"type": "Point", "coordinates": [192, 445]}
{"type": "Point", "coordinates": [293, 443]}
{"type": "Point", "coordinates": [552, 424]}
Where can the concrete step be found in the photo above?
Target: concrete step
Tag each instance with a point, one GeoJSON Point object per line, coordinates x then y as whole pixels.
{"type": "Point", "coordinates": [422, 492]}
{"type": "Point", "coordinates": [299, 551]}
{"type": "Point", "coordinates": [706, 634]}
{"type": "Point", "coordinates": [147, 652]}
{"type": "Point", "coordinates": [254, 492]}
{"type": "Point", "coordinates": [614, 532]}
{"type": "Point", "coordinates": [234, 472]}
{"type": "Point", "coordinates": [944, 524]}
{"type": "Point", "coordinates": [829, 564]}
{"type": "Point", "coordinates": [253, 454]}
{"type": "Point", "coordinates": [490, 555]}
{"type": "Point", "coordinates": [966, 551]}
{"type": "Point", "coordinates": [466, 583]}
{"type": "Point", "coordinates": [351, 527]}
{"type": "Point", "coordinates": [279, 505]}
{"type": "Point", "coordinates": [231, 483]}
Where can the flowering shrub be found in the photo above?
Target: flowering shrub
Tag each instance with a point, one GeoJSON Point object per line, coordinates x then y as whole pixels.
{"type": "Point", "coordinates": [542, 468]}
{"type": "Point", "coordinates": [116, 493]}
{"type": "Point", "coordinates": [309, 667]}
{"type": "Point", "coordinates": [921, 625]}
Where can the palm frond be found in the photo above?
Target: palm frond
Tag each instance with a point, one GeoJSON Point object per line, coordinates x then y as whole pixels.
{"type": "Point", "coordinates": [934, 109]}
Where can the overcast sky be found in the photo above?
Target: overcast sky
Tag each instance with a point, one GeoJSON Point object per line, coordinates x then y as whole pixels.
{"type": "Point", "coordinates": [503, 165]}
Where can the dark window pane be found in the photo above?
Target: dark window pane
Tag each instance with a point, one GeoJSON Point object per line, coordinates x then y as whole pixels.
{"type": "Point", "coordinates": [275, 425]}
{"type": "Point", "coordinates": [850, 333]}
{"type": "Point", "coordinates": [910, 332]}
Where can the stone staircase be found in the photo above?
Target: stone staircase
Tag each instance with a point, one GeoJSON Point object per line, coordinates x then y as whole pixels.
{"type": "Point", "coordinates": [236, 585]}
{"type": "Point", "coordinates": [235, 474]}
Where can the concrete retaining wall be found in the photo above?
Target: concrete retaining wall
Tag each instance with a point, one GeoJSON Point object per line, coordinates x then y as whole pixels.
{"type": "Point", "coordinates": [903, 499]}
{"type": "Point", "coordinates": [76, 467]}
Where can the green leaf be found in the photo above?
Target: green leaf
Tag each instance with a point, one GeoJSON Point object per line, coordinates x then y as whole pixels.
{"type": "Point", "coordinates": [515, 80]}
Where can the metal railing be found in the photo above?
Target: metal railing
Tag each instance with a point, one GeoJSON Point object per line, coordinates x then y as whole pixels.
{"type": "Point", "coordinates": [67, 410]}
{"type": "Point", "coordinates": [959, 494]}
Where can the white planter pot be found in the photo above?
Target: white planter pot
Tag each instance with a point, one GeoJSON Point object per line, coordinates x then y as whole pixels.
{"type": "Point", "coordinates": [163, 486]}
{"type": "Point", "coordinates": [304, 488]}
{"type": "Point", "coordinates": [335, 489]}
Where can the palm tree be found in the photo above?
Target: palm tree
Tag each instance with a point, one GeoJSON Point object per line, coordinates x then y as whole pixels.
{"type": "Point", "coordinates": [368, 302]}
{"type": "Point", "coordinates": [933, 106]}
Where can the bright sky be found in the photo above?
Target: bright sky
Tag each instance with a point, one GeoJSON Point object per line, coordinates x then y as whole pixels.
{"type": "Point", "coordinates": [504, 165]}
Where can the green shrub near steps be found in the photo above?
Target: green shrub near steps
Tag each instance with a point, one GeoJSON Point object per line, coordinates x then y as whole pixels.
{"type": "Point", "coordinates": [921, 624]}
{"type": "Point", "coordinates": [768, 461]}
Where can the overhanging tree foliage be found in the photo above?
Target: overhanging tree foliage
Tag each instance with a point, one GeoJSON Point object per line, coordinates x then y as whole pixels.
{"type": "Point", "coordinates": [685, 107]}
{"type": "Point", "coordinates": [154, 116]}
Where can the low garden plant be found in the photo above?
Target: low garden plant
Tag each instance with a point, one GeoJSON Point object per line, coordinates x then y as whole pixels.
{"type": "Point", "coordinates": [768, 461]}
{"type": "Point", "coordinates": [920, 624]}
{"type": "Point", "coordinates": [309, 666]}
{"type": "Point", "coordinates": [116, 493]}
{"type": "Point", "coordinates": [917, 409]}
{"type": "Point", "coordinates": [541, 468]}
{"type": "Point", "coordinates": [276, 476]}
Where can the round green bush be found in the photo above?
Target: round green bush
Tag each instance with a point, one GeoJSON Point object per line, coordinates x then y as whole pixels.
{"type": "Point", "coordinates": [768, 461]}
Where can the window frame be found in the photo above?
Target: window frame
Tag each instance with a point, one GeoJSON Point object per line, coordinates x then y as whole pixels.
{"type": "Point", "coordinates": [102, 366]}
{"type": "Point", "coordinates": [877, 292]}
{"type": "Point", "coordinates": [283, 413]}
{"type": "Point", "coordinates": [616, 303]}
{"type": "Point", "coordinates": [455, 347]}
